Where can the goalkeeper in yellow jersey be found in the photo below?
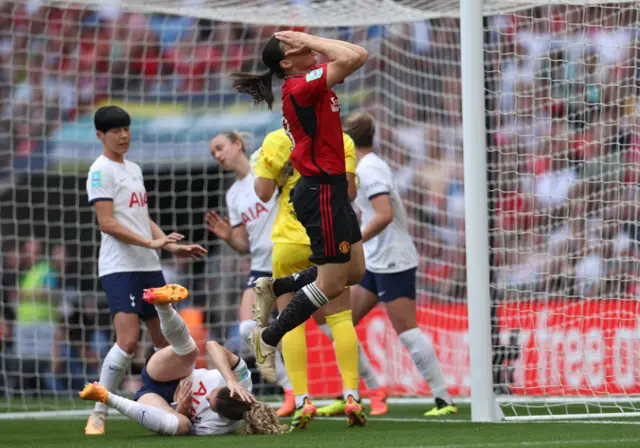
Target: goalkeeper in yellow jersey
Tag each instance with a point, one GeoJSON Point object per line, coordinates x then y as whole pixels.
{"type": "Point", "coordinates": [291, 252]}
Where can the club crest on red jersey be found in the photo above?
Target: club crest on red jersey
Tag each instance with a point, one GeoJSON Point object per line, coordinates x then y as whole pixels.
{"type": "Point", "coordinates": [335, 104]}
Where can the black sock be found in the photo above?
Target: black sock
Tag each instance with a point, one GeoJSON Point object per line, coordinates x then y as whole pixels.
{"type": "Point", "coordinates": [303, 305]}
{"type": "Point", "coordinates": [295, 282]}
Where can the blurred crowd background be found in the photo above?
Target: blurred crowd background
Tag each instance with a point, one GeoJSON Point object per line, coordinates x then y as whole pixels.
{"type": "Point", "coordinates": [562, 137]}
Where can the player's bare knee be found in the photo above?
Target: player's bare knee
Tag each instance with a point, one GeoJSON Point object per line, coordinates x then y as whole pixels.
{"type": "Point", "coordinates": [158, 340]}
{"type": "Point", "coordinates": [193, 356]}
{"type": "Point", "coordinates": [331, 289]}
{"type": "Point", "coordinates": [127, 343]}
{"type": "Point", "coordinates": [402, 322]}
{"type": "Point", "coordinates": [401, 326]}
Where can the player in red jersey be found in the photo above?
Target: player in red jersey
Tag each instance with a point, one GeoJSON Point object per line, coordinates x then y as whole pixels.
{"type": "Point", "coordinates": [311, 117]}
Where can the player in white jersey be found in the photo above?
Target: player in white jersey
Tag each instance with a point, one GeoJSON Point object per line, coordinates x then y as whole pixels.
{"type": "Point", "coordinates": [128, 261]}
{"type": "Point", "coordinates": [176, 399]}
{"type": "Point", "coordinates": [391, 258]}
{"type": "Point", "coordinates": [247, 230]}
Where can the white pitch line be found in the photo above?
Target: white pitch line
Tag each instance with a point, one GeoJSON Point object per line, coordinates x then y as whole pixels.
{"type": "Point", "coordinates": [585, 422]}
{"type": "Point", "coordinates": [608, 442]}
{"type": "Point", "coordinates": [443, 420]}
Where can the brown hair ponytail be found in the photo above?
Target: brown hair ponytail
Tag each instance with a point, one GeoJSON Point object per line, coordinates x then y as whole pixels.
{"type": "Point", "coordinates": [259, 86]}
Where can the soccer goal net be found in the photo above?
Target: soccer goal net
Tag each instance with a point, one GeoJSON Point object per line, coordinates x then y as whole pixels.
{"type": "Point", "coordinates": [563, 148]}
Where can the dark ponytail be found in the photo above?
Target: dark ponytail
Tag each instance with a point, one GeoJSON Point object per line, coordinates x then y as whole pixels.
{"type": "Point", "coordinates": [259, 86]}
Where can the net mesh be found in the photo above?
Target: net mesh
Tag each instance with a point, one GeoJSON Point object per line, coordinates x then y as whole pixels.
{"type": "Point", "coordinates": [563, 151]}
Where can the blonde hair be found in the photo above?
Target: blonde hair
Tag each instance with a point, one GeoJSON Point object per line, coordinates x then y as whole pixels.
{"type": "Point", "coordinates": [237, 136]}
{"type": "Point", "coordinates": [262, 419]}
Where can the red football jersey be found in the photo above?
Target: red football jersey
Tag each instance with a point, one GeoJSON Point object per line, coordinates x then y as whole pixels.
{"type": "Point", "coordinates": [311, 118]}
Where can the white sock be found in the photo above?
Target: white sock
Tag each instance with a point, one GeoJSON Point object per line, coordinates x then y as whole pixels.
{"type": "Point", "coordinates": [366, 371]}
{"type": "Point", "coordinates": [326, 330]}
{"type": "Point", "coordinates": [246, 327]}
{"type": "Point", "coordinates": [114, 368]}
{"type": "Point", "coordinates": [353, 392]}
{"type": "Point", "coordinates": [364, 365]}
{"type": "Point", "coordinates": [175, 330]}
{"type": "Point", "coordinates": [282, 379]}
{"type": "Point", "coordinates": [154, 419]}
{"type": "Point", "coordinates": [425, 359]}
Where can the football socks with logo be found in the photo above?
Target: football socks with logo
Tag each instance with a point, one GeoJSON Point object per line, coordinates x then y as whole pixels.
{"type": "Point", "coordinates": [154, 419]}
{"type": "Point", "coordinates": [114, 367]}
{"type": "Point", "coordinates": [425, 359]}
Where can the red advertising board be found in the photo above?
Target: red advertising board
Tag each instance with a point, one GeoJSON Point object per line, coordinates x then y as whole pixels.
{"type": "Point", "coordinates": [567, 348]}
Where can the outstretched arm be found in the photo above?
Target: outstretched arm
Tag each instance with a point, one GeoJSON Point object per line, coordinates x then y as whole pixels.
{"type": "Point", "coordinates": [194, 251]}
{"type": "Point", "coordinates": [224, 361]}
{"type": "Point", "coordinates": [111, 226]}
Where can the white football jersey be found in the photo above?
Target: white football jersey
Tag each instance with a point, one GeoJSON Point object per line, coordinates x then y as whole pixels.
{"type": "Point", "coordinates": [246, 208]}
{"type": "Point", "coordinates": [392, 250]}
{"type": "Point", "coordinates": [122, 183]}
{"type": "Point", "coordinates": [204, 421]}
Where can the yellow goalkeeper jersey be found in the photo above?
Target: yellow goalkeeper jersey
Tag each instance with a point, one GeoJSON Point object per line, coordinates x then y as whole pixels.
{"type": "Point", "coordinates": [273, 163]}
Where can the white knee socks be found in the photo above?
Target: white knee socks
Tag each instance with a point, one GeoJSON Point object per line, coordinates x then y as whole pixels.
{"type": "Point", "coordinates": [364, 365]}
{"type": "Point", "coordinates": [154, 419]}
{"type": "Point", "coordinates": [114, 368]}
{"type": "Point", "coordinates": [425, 359]}
{"type": "Point", "coordinates": [175, 330]}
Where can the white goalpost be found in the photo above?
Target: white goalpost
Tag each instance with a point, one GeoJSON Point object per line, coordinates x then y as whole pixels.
{"type": "Point", "coordinates": [512, 129]}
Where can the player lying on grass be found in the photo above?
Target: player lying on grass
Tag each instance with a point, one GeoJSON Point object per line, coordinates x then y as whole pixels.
{"type": "Point", "coordinates": [176, 399]}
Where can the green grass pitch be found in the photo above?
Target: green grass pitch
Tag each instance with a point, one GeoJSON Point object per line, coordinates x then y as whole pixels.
{"type": "Point", "coordinates": [403, 426]}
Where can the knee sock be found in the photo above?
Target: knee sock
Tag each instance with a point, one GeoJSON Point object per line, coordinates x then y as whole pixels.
{"type": "Point", "coordinates": [364, 365]}
{"type": "Point", "coordinates": [294, 352]}
{"type": "Point", "coordinates": [303, 305]}
{"type": "Point", "coordinates": [295, 282]}
{"type": "Point", "coordinates": [282, 379]}
{"type": "Point", "coordinates": [346, 348]}
{"type": "Point", "coordinates": [154, 419]}
{"type": "Point", "coordinates": [425, 359]}
{"type": "Point", "coordinates": [114, 368]}
{"type": "Point", "coordinates": [175, 330]}
{"type": "Point", "coordinates": [246, 327]}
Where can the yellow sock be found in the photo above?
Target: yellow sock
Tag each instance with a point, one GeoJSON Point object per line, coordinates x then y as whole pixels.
{"type": "Point", "coordinates": [294, 352]}
{"type": "Point", "coordinates": [346, 347]}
